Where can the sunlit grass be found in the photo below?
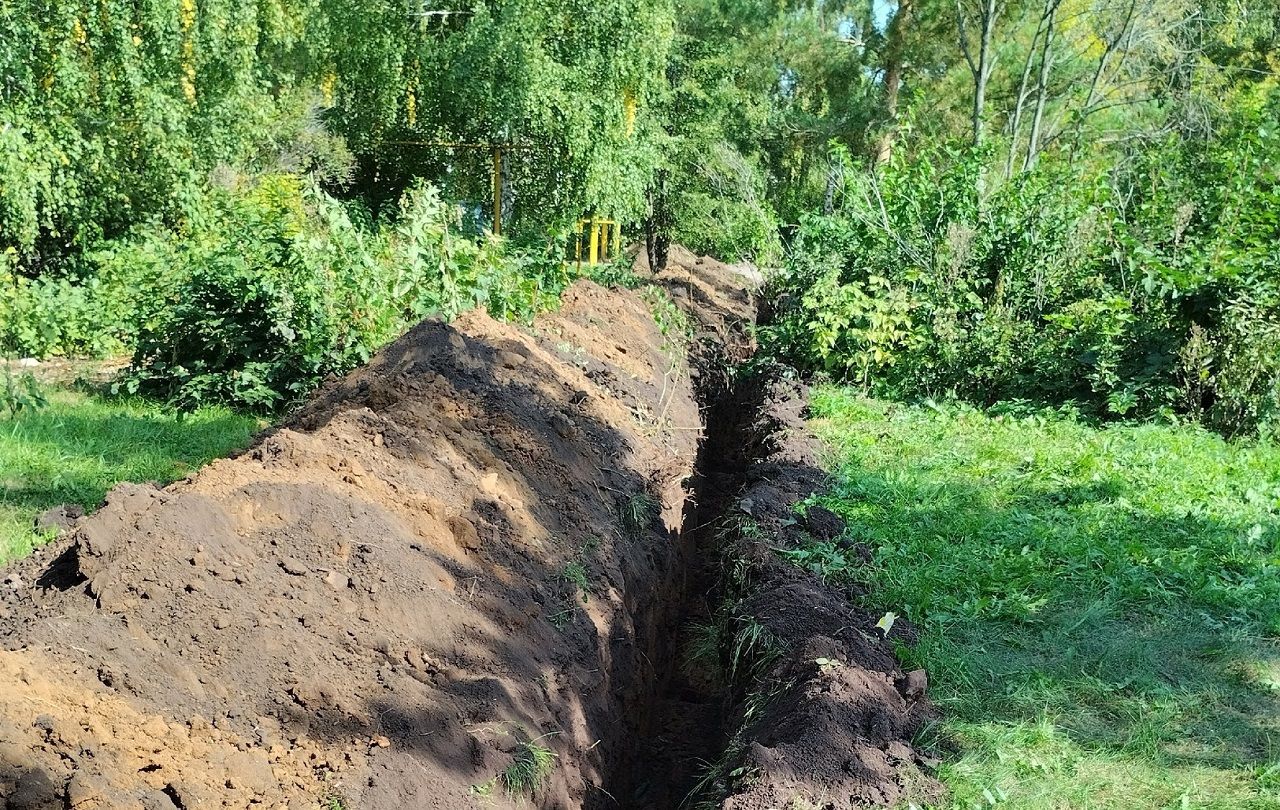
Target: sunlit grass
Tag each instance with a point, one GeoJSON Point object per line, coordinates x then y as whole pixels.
{"type": "Point", "coordinates": [82, 444]}
{"type": "Point", "coordinates": [1098, 607]}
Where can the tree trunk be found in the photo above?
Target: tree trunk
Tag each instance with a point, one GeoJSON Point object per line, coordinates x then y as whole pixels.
{"type": "Point", "coordinates": [1020, 102]}
{"type": "Point", "coordinates": [982, 67]}
{"type": "Point", "coordinates": [1042, 86]}
{"type": "Point", "coordinates": [894, 66]}
{"type": "Point", "coordinates": [658, 225]}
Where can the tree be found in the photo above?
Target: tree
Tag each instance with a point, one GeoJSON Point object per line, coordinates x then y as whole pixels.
{"type": "Point", "coordinates": [894, 65]}
{"type": "Point", "coordinates": [981, 65]}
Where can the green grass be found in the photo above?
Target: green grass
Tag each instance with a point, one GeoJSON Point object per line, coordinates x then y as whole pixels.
{"type": "Point", "coordinates": [81, 444]}
{"type": "Point", "coordinates": [1098, 607]}
{"type": "Point", "coordinates": [530, 766]}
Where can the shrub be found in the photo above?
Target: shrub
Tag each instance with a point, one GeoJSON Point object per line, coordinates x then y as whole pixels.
{"type": "Point", "coordinates": [1144, 289]}
{"type": "Point", "coordinates": [276, 287]}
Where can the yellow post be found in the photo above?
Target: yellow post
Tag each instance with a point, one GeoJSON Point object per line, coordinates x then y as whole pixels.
{"type": "Point", "coordinates": [497, 189]}
{"type": "Point", "coordinates": [604, 240]}
{"type": "Point", "coordinates": [617, 239]}
{"type": "Point", "coordinates": [593, 244]}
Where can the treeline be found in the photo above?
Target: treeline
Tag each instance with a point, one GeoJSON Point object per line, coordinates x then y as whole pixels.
{"type": "Point", "coordinates": [249, 196]}
{"type": "Point", "coordinates": [1061, 201]}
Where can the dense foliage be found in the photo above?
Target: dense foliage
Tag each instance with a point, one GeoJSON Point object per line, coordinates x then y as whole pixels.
{"type": "Point", "coordinates": [1130, 289]}
{"type": "Point", "coordinates": [248, 197]}
{"type": "Point", "coordinates": [1117, 247]}
{"type": "Point", "coordinates": [275, 288]}
{"type": "Point", "coordinates": [1054, 200]}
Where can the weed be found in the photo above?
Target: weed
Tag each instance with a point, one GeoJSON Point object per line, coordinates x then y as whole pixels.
{"type": "Point", "coordinates": [674, 324]}
{"type": "Point", "coordinates": [529, 769]}
{"type": "Point", "coordinates": [334, 802]}
{"type": "Point", "coordinates": [713, 784]}
{"type": "Point", "coordinates": [575, 574]}
{"type": "Point", "coordinates": [638, 514]}
{"type": "Point", "coordinates": [702, 645]}
{"type": "Point", "coordinates": [825, 559]}
{"type": "Point", "coordinates": [21, 393]}
{"type": "Point", "coordinates": [561, 618]}
{"type": "Point", "coordinates": [615, 274]}
{"type": "Point", "coordinates": [753, 650]}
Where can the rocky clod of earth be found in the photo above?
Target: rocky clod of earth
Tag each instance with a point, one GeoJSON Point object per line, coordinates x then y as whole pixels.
{"type": "Point", "coordinates": [461, 564]}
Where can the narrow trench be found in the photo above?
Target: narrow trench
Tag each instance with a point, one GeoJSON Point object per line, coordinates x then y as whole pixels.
{"type": "Point", "coordinates": [686, 727]}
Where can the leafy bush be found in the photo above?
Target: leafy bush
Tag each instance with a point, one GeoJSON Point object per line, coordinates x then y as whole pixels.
{"type": "Point", "coordinates": [1153, 288]}
{"type": "Point", "coordinates": [719, 206]}
{"type": "Point", "coordinates": [276, 287]}
{"type": "Point", "coordinates": [93, 316]}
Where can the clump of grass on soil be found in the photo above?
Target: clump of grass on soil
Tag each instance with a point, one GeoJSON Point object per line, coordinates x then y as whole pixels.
{"type": "Point", "coordinates": [81, 444]}
{"type": "Point", "coordinates": [638, 514]}
{"type": "Point", "coordinates": [1098, 607]}
{"type": "Point", "coordinates": [529, 769]}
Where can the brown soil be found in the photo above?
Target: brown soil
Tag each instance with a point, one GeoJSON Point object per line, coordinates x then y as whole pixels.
{"type": "Point", "coordinates": [827, 717]}
{"type": "Point", "coordinates": [381, 603]}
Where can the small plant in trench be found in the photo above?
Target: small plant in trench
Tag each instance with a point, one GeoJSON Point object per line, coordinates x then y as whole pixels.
{"type": "Point", "coordinates": [638, 514]}
{"type": "Point", "coordinates": [709, 792]}
{"type": "Point", "coordinates": [561, 618]}
{"type": "Point", "coordinates": [702, 647]}
{"type": "Point", "coordinates": [575, 574]}
{"type": "Point", "coordinates": [754, 649]}
{"type": "Point", "coordinates": [529, 769]}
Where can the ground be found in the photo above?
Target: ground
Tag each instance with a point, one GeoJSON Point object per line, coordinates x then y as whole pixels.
{"type": "Point", "coordinates": [1097, 606]}
{"type": "Point", "coordinates": [464, 575]}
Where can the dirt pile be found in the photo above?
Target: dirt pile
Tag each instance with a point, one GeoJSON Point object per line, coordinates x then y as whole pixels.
{"type": "Point", "coordinates": [462, 576]}
{"type": "Point", "coordinates": [822, 714]}
{"type": "Point", "coordinates": [453, 559]}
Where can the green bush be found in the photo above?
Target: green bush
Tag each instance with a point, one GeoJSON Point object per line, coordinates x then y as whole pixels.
{"type": "Point", "coordinates": [1152, 288]}
{"type": "Point", "coordinates": [719, 206]}
{"type": "Point", "coordinates": [65, 316]}
{"type": "Point", "coordinates": [274, 287]}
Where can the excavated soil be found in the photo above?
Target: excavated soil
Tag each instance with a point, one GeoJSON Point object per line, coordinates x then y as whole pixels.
{"type": "Point", "coordinates": [825, 715]}
{"type": "Point", "coordinates": [484, 544]}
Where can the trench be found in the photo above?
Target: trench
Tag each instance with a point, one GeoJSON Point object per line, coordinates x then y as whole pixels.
{"type": "Point", "coordinates": [686, 726]}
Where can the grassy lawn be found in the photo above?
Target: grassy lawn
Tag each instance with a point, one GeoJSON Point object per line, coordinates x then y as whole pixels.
{"type": "Point", "coordinates": [1098, 608]}
{"type": "Point", "coordinates": [81, 445]}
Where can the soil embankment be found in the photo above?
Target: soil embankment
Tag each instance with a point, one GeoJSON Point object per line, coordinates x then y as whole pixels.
{"type": "Point", "coordinates": [455, 579]}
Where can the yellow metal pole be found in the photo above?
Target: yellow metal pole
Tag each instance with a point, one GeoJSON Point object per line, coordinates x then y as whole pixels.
{"type": "Point", "coordinates": [604, 240]}
{"type": "Point", "coordinates": [617, 239]}
{"type": "Point", "coordinates": [497, 189]}
{"type": "Point", "coordinates": [593, 245]}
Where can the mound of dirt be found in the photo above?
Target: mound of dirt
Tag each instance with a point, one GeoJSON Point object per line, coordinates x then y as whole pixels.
{"type": "Point", "coordinates": [825, 715]}
{"type": "Point", "coordinates": [458, 578]}
{"type": "Point", "coordinates": [462, 554]}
